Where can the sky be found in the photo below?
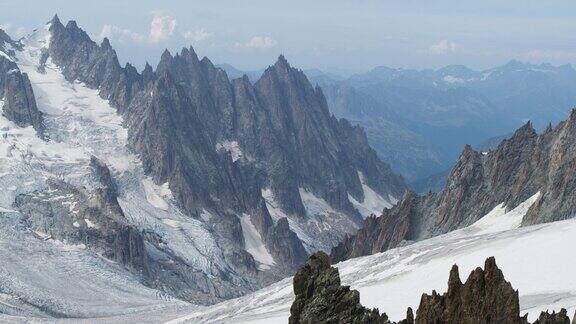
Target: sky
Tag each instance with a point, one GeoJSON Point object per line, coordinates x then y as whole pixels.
{"type": "Point", "coordinates": [340, 36]}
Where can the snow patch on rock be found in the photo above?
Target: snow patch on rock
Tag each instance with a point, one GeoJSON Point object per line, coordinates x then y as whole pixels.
{"type": "Point", "coordinates": [155, 194]}
{"type": "Point", "coordinates": [373, 203]}
{"type": "Point", "coordinates": [277, 213]}
{"type": "Point", "coordinates": [314, 205]}
{"type": "Point", "coordinates": [254, 245]}
{"type": "Point", "coordinates": [321, 229]}
{"type": "Point", "coordinates": [232, 147]}
{"type": "Point", "coordinates": [499, 219]}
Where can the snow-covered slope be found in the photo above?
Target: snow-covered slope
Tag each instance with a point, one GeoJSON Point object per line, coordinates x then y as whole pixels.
{"type": "Point", "coordinates": [373, 203]}
{"type": "Point", "coordinates": [537, 261]}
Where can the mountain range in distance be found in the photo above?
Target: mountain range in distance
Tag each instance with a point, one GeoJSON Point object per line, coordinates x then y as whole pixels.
{"type": "Point", "coordinates": [419, 120]}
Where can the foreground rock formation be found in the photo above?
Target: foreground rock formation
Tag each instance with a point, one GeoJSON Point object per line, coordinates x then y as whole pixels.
{"type": "Point", "coordinates": [520, 167]}
{"type": "Point", "coordinates": [486, 297]}
{"type": "Point", "coordinates": [320, 298]}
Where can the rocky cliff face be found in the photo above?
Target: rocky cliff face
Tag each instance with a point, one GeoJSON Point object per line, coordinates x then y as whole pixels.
{"type": "Point", "coordinates": [15, 89]}
{"type": "Point", "coordinates": [262, 170]}
{"type": "Point", "coordinates": [520, 167]}
{"type": "Point", "coordinates": [486, 297]}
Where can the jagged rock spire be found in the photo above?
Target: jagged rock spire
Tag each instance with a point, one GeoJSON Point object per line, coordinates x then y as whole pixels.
{"type": "Point", "coordinates": [548, 128]}
{"type": "Point", "coordinates": [55, 20]}
{"type": "Point", "coordinates": [106, 44]}
{"type": "Point", "coordinates": [554, 318]}
{"type": "Point", "coordinates": [147, 67]}
{"type": "Point", "coordinates": [485, 297]}
{"type": "Point", "coordinates": [189, 53]}
{"type": "Point", "coordinates": [165, 57]}
{"type": "Point", "coordinates": [282, 63]}
{"type": "Point", "coordinates": [320, 298]}
{"type": "Point", "coordinates": [527, 130]}
{"type": "Point", "coordinates": [572, 116]}
{"type": "Point", "coordinates": [72, 24]}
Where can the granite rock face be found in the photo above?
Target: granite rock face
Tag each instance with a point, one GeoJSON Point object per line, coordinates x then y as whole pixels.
{"type": "Point", "coordinates": [520, 167]}
{"type": "Point", "coordinates": [16, 91]}
{"type": "Point", "coordinates": [96, 65]}
{"type": "Point", "coordinates": [320, 298]}
{"type": "Point", "coordinates": [284, 245]}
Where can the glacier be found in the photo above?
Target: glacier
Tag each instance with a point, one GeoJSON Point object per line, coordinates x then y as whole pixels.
{"type": "Point", "coordinates": [536, 260]}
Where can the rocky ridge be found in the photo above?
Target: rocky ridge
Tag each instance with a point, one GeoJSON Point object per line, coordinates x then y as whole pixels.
{"type": "Point", "coordinates": [485, 297]}
{"type": "Point", "coordinates": [320, 298]}
{"type": "Point", "coordinates": [520, 167]}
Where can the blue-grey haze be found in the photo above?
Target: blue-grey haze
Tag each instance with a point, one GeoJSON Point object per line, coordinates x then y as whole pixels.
{"type": "Point", "coordinates": [336, 35]}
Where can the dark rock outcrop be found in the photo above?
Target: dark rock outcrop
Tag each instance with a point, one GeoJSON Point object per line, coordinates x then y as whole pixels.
{"type": "Point", "coordinates": [321, 299]}
{"type": "Point", "coordinates": [379, 234]}
{"type": "Point", "coordinates": [20, 104]}
{"type": "Point", "coordinates": [554, 318]}
{"type": "Point", "coordinates": [485, 297]}
{"type": "Point", "coordinates": [520, 167]}
{"type": "Point", "coordinates": [16, 90]}
{"type": "Point", "coordinates": [284, 245]}
{"type": "Point", "coordinates": [90, 217]}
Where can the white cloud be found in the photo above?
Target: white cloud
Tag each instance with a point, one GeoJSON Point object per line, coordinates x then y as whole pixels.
{"type": "Point", "coordinates": [197, 35]}
{"type": "Point", "coordinates": [259, 42]}
{"type": "Point", "coordinates": [161, 28]}
{"type": "Point", "coordinates": [442, 47]}
{"type": "Point", "coordinates": [120, 34]}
